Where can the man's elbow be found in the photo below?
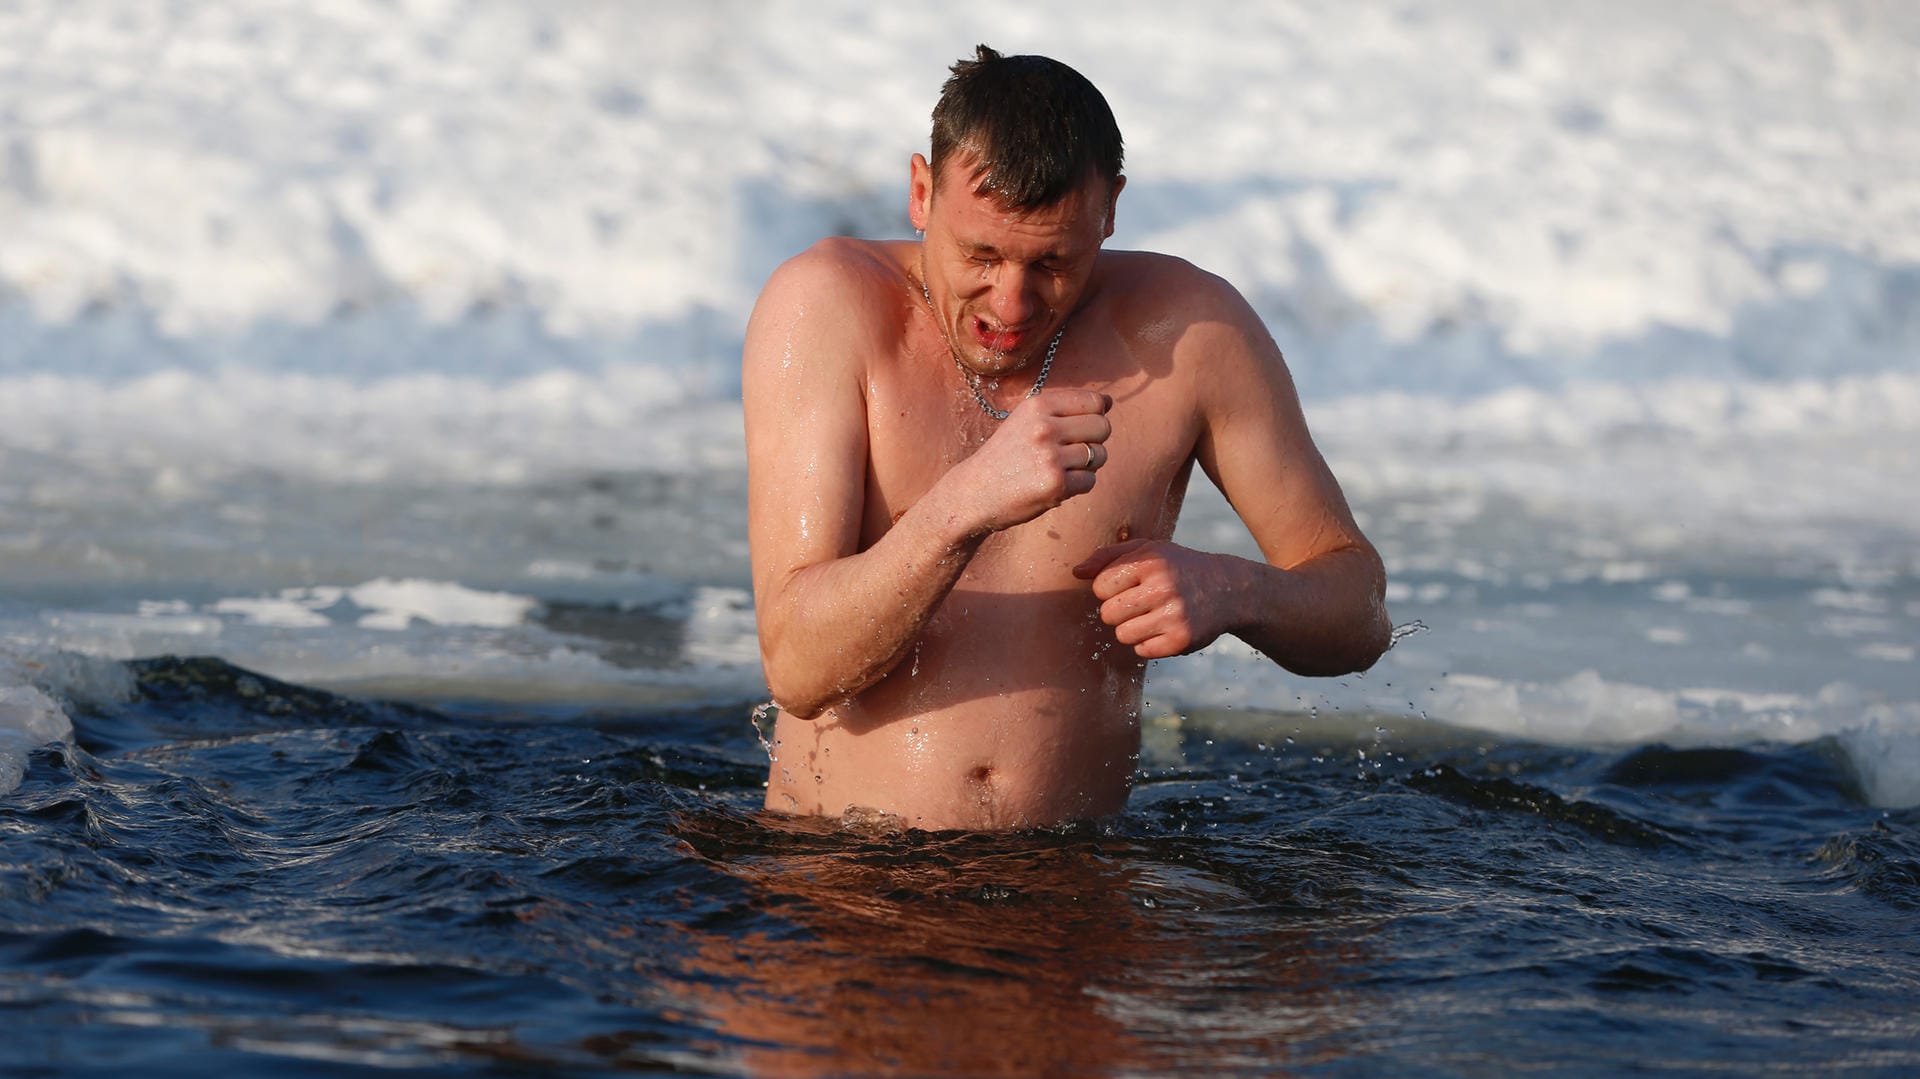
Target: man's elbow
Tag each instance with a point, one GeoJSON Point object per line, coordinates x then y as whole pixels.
{"type": "Point", "coordinates": [1343, 654]}
{"type": "Point", "coordinates": [787, 691]}
{"type": "Point", "coordinates": [1373, 634]}
{"type": "Point", "coordinates": [796, 695]}
{"type": "Point", "coordinates": [1355, 643]}
{"type": "Point", "coordinates": [799, 707]}
{"type": "Point", "coordinates": [807, 711]}
{"type": "Point", "coordinates": [1372, 641]}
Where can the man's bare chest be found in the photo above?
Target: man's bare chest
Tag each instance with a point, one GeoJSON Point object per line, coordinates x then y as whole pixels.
{"type": "Point", "coordinates": [920, 428]}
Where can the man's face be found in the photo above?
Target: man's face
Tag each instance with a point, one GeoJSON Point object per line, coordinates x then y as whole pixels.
{"type": "Point", "coordinates": [1002, 282]}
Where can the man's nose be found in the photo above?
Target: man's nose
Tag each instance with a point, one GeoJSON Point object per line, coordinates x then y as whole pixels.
{"type": "Point", "coordinates": [1014, 300]}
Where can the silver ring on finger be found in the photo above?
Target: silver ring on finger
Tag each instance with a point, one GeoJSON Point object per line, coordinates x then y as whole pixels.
{"type": "Point", "coordinates": [1089, 446]}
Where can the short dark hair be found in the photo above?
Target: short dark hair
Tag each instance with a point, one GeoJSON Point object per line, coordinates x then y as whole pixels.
{"type": "Point", "coordinates": [1033, 126]}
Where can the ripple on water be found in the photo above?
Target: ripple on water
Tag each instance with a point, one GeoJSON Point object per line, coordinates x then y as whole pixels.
{"type": "Point", "coordinates": [303, 876]}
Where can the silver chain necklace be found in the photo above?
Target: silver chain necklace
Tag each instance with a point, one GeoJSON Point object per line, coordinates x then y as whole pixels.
{"type": "Point", "coordinates": [973, 378]}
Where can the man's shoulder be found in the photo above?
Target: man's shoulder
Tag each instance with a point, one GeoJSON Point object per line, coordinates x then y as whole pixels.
{"type": "Point", "coordinates": [1148, 286]}
{"type": "Point", "coordinates": [838, 300]}
{"type": "Point", "coordinates": [843, 266]}
{"type": "Point", "coordinates": [1194, 322]}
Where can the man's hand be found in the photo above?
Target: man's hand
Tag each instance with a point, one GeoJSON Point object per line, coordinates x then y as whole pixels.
{"type": "Point", "coordinates": [1161, 598]}
{"type": "Point", "coordinates": [1045, 452]}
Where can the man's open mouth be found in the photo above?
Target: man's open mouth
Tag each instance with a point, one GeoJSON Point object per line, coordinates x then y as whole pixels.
{"type": "Point", "coordinates": [998, 339]}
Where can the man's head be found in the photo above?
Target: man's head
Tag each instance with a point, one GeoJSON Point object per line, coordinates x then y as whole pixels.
{"type": "Point", "coordinates": [1026, 167]}
{"type": "Point", "coordinates": [1028, 129]}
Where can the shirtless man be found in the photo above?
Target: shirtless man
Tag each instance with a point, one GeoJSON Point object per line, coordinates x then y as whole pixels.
{"type": "Point", "coordinates": [965, 459]}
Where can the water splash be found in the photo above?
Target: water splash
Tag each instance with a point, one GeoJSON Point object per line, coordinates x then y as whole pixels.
{"type": "Point", "coordinates": [1404, 630]}
{"type": "Point", "coordinates": [762, 719]}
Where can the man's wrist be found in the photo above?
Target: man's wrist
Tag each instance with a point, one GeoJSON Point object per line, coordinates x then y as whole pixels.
{"type": "Point", "coordinates": [957, 524]}
{"type": "Point", "coordinates": [1252, 594]}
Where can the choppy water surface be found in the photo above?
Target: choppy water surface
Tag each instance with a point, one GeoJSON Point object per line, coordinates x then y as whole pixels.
{"type": "Point", "coordinates": [226, 874]}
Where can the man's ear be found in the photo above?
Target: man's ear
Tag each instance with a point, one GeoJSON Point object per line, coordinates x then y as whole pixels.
{"type": "Point", "coordinates": [919, 192]}
{"type": "Point", "coordinates": [1113, 199]}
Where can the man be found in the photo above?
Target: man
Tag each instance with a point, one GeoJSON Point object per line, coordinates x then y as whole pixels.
{"type": "Point", "coordinates": [965, 459]}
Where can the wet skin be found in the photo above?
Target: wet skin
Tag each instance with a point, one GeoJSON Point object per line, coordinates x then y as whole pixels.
{"type": "Point", "coordinates": [956, 611]}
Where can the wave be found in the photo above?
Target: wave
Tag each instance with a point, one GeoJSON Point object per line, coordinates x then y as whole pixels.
{"type": "Point", "coordinates": [551, 666]}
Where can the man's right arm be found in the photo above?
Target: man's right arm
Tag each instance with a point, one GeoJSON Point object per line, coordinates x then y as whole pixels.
{"type": "Point", "coordinates": [834, 618]}
{"type": "Point", "coordinates": [825, 633]}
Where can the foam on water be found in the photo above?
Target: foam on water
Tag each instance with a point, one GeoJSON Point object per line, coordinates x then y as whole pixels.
{"type": "Point", "coordinates": [1879, 736]}
{"type": "Point", "coordinates": [428, 639]}
{"type": "Point", "coordinates": [38, 686]}
{"type": "Point", "coordinates": [28, 718]}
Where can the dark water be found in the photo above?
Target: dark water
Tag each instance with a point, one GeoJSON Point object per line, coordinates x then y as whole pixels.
{"type": "Point", "coordinates": [226, 875]}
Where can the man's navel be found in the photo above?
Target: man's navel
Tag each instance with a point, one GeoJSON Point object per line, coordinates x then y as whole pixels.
{"type": "Point", "coordinates": [980, 786]}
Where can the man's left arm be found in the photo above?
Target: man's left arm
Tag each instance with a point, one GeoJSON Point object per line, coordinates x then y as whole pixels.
{"type": "Point", "coordinates": [1315, 603]}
